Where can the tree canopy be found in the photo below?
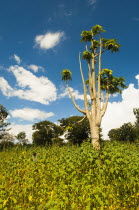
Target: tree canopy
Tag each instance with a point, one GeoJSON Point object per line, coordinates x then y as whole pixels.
{"type": "Point", "coordinates": [128, 131]}
{"type": "Point", "coordinates": [45, 131]}
{"type": "Point", "coordinates": [3, 124]}
{"type": "Point", "coordinates": [22, 138]}
{"type": "Point", "coordinates": [78, 130]}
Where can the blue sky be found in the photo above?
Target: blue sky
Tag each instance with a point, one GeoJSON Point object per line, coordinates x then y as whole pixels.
{"type": "Point", "coordinates": [40, 38]}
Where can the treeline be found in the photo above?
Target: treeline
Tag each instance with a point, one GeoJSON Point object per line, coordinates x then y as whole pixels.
{"type": "Point", "coordinates": [128, 131]}
{"type": "Point", "coordinates": [72, 130]}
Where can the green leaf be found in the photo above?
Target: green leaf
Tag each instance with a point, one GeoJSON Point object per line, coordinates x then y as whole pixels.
{"type": "Point", "coordinates": [111, 44]}
{"type": "Point", "coordinates": [87, 55]}
{"type": "Point", "coordinates": [66, 74]}
{"type": "Point", "coordinates": [110, 83]}
{"type": "Point", "coordinates": [97, 29]}
{"type": "Point", "coordinates": [86, 36]}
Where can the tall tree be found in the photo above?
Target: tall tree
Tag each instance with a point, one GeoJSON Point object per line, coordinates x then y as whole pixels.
{"type": "Point", "coordinates": [3, 123]}
{"type": "Point", "coordinates": [101, 82]}
{"type": "Point", "coordinates": [45, 131]}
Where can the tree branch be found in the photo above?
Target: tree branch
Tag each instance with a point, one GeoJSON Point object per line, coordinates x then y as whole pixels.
{"type": "Point", "coordinates": [93, 75]}
{"type": "Point", "coordinates": [101, 52]}
{"type": "Point", "coordinates": [81, 120]}
{"type": "Point", "coordinates": [72, 98]}
{"type": "Point", "coordinates": [84, 87]}
{"type": "Point", "coordinates": [105, 105]}
{"type": "Point", "coordinates": [99, 69]}
{"type": "Point", "coordinates": [90, 78]}
{"type": "Point", "coordinates": [99, 81]}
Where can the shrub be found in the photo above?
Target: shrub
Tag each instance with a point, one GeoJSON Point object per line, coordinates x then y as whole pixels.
{"type": "Point", "coordinates": [127, 132]}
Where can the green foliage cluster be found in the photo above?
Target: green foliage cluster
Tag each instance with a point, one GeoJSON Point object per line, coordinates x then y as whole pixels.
{"type": "Point", "coordinates": [3, 123]}
{"type": "Point", "coordinates": [6, 145]}
{"type": "Point", "coordinates": [87, 55]}
{"type": "Point", "coordinates": [45, 131]}
{"type": "Point", "coordinates": [107, 44]}
{"type": "Point", "coordinates": [111, 44]}
{"type": "Point", "coordinates": [70, 178]}
{"type": "Point", "coordinates": [136, 113]}
{"type": "Point", "coordinates": [87, 36]}
{"type": "Point", "coordinates": [110, 83]}
{"type": "Point", "coordinates": [66, 74]}
{"type": "Point", "coordinates": [78, 130]}
{"type": "Point", "coordinates": [22, 138]}
{"type": "Point", "coordinates": [128, 131]}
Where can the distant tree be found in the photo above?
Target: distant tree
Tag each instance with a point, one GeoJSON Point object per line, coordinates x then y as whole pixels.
{"type": "Point", "coordinates": [22, 138]}
{"type": "Point", "coordinates": [101, 82]}
{"type": "Point", "coordinates": [126, 132]}
{"type": "Point", "coordinates": [8, 137]}
{"type": "Point", "coordinates": [136, 113]}
{"type": "Point", "coordinates": [6, 145]}
{"type": "Point", "coordinates": [3, 123]}
{"type": "Point", "coordinates": [78, 130]}
{"type": "Point", "coordinates": [45, 132]}
{"type": "Point", "coordinates": [7, 141]}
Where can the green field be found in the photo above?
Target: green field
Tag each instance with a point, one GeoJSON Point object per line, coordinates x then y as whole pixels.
{"type": "Point", "coordinates": [70, 177]}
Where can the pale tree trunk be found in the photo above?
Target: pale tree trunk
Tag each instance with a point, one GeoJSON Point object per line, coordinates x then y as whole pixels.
{"type": "Point", "coordinates": [95, 137]}
{"type": "Point", "coordinates": [96, 116]}
{"type": "Point", "coordinates": [95, 122]}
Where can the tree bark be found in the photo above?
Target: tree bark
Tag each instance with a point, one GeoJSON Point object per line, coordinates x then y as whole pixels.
{"type": "Point", "coordinates": [95, 137]}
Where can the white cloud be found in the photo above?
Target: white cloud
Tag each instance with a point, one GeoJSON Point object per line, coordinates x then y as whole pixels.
{"type": "Point", "coordinates": [75, 94]}
{"type": "Point", "coordinates": [114, 95]}
{"type": "Point", "coordinates": [30, 114]}
{"type": "Point", "coordinates": [5, 87]}
{"type": "Point", "coordinates": [121, 112]}
{"type": "Point", "coordinates": [92, 2]}
{"type": "Point", "coordinates": [39, 89]}
{"type": "Point", "coordinates": [137, 76]}
{"type": "Point", "coordinates": [67, 14]}
{"type": "Point", "coordinates": [15, 129]}
{"type": "Point", "coordinates": [49, 40]}
{"type": "Point", "coordinates": [135, 19]}
{"type": "Point", "coordinates": [61, 5]}
{"type": "Point", "coordinates": [57, 123]}
{"type": "Point", "coordinates": [35, 68]}
{"type": "Point", "coordinates": [17, 59]}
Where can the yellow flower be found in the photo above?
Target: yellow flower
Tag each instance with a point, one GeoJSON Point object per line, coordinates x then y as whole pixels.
{"type": "Point", "coordinates": [30, 198]}
{"type": "Point", "coordinates": [4, 203]}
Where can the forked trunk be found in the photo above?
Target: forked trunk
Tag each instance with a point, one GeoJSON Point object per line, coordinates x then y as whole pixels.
{"type": "Point", "coordinates": [95, 137]}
